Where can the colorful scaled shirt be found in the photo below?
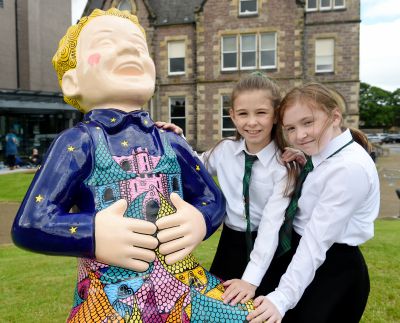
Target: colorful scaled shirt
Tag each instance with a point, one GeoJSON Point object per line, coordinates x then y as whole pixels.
{"type": "Point", "coordinates": [109, 156]}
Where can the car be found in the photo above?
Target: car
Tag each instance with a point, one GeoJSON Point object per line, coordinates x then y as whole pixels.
{"type": "Point", "coordinates": [374, 138]}
{"type": "Point", "coordinates": [392, 138]}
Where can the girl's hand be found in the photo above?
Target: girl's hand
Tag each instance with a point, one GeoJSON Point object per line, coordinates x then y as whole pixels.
{"type": "Point", "coordinates": [238, 290]}
{"type": "Point", "coordinates": [265, 311]}
{"type": "Point", "coordinates": [169, 126]}
{"type": "Point", "coordinates": [291, 154]}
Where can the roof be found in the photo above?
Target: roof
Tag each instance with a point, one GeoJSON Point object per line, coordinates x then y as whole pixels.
{"type": "Point", "coordinates": [173, 12]}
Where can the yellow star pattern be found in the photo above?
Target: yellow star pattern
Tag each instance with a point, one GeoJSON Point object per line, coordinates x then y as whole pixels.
{"type": "Point", "coordinates": [39, 198]}
{"type": "Point", "coordinates": [145, 122]}
{"type": "Point", "coordinates": [203, 203]}
{"type": "Point", "coordinates": [98, 128]}
{"type": "Point", "coordinates": [198, 168]}
{"type": "Point", "coordinates": [71, 148]}
{"type": "Point", "coordinates": [87, 122]}
{"type": "Point", "coordinates": [73, 229]}
{"type": "Point", "coordinates": [113, 120]}
{"type": "Point", "coordinates": [161, 130]}
{"type": "Point", "coordinates": [124, 143]}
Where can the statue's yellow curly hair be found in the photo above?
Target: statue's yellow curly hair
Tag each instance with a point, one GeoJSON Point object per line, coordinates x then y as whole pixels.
{"type": "Point", "coordinates": [65, 57]}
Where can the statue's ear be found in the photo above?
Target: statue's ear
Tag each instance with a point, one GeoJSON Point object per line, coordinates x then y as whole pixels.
{"type": "Point", "coordinates": [69, 84]}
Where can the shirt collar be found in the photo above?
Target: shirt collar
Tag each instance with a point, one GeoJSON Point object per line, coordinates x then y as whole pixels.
{"type": "Point", "coordinates": [335, 144]}
{"type": "Point", "coordinates": [111, 118]}
{"type": "Point", "coordinates": [264, 155]}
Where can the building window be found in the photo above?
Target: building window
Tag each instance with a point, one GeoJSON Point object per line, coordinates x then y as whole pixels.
{"type": "Point", "coordinates": [1, 4]}
{"type": "Point", "coordinates": [325, 5]}
{"type": "Point", "coordinates": [125, 5]}
{"type": "Point", "coordinates": [248, 7]}
{"type": "Point", "coordinates": [248, 49]}
{"type": "Point", "coordinates": [268, 50]}
{"type": "Point", "coordinates": [252, 55]}
{"type": "Point", "coordinates": [338, 4]}
{"type": "Point", "coordinates": [177, 112]}
{"type": "Point", "coordinates": [176, 57]}
{"type": "Point", "coordinates": [324, 55]}
{"type": "Point", "coordinates": [228, 128]}
{"type": "Point", "coordinates": [229, 53]}
{"type": "Point", "coordinates": [312, 5]}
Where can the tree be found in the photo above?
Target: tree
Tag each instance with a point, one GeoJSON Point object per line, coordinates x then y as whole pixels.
{"type": "Point", "coordinates": [379, 108]}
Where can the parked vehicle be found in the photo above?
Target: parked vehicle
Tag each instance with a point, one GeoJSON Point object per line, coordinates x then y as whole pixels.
{"type": "Point", "coordinates": [392, 138]}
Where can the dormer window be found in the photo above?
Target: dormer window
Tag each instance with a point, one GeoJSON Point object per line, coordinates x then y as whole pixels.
{"type": "Point", "coordinates": [248, 7]}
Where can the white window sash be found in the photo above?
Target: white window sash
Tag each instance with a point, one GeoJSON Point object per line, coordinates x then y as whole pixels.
{"type": "Point", "coordinates": [228, 52]}
{"type": "Point", "coordinates": [176, 49]}
{"type": "Point", "coordinates": [339, 6]}
{"type": "Point", "coordinates": [223, 117]}
{"type": "Point", "coordinates": [268, 50]}
{"type": "Point", "coordinates": [324, 55]}
{"type": "Point", "coordinates": [171, 118]}
{"type": "Point", "coordinates": [250, 12]}
{"type": "Point", "coordinates": [328, 7]}
{"type": "Point", "coordinates": [253, 50]}
{"type": "Point", "coordinates": [312, 9]}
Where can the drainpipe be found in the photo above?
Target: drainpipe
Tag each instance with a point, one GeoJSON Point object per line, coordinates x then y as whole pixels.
{"type": "Point", "coordinates": [16, 42]}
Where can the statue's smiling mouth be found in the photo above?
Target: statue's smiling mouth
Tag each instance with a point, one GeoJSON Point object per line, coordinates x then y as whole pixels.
{"type": "Point", "coordinates": [129, 69]}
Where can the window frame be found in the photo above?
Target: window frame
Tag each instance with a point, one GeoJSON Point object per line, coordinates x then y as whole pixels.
{"type": "Point", "coordinates": [169, 58]}
{"type": "Point", "coordinates": [275, 50]}
{"type": "Point", "coordinates": [312, 9]}
{"type": "Point", "coordinates": [243, 68]}
{"type": "Point", "coordinates": [223, 52]}
{"type": "Point", "coordinates": [176, 97]}
{"type": "Point", "coordinates": [335, 7]}
{"type": "Point", "coordinates": [251, 13]}
{"type": "Point", "coordinates": [222, 116]}
{"type": "Point", "coordinates": [332, 55]}
{"type": "Point", "coordinates": [325, 8]}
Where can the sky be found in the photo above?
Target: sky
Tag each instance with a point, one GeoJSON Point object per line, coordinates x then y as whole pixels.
{"type": "Point", "coordinates": [379, 41]}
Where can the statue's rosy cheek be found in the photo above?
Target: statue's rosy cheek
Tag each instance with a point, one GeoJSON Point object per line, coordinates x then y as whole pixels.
{"type": "Point", "coordinates": [94, 59]}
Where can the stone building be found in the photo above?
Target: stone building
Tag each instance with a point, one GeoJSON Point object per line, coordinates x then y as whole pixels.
{"type": "Point", "coordinates": [202, 47]}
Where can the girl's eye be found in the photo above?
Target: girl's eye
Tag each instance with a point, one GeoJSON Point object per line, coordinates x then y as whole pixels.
{"type": "Point", "coordinates": [309, 123]}
{"type": "Point", "coordinates": [290, 129]}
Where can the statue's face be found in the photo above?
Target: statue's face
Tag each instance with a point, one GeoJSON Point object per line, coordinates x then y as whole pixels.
{"type": "Point", "coordinates": [114, 68]}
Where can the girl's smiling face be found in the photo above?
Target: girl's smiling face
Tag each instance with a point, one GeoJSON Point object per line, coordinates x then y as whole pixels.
{"type": "Point", "coordinates": [310, 129]}
{"type": "Point", "coordinates": [253, 116]}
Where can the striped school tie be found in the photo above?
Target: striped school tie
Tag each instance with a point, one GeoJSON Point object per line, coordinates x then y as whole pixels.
{"type": "Point", "coordinates": [285, 232]}
{"type": "Point", "coordinates": [248, 164]}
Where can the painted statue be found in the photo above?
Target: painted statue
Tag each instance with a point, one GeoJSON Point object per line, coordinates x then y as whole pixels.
{"type": "Point", "coordinates": [142, 200]}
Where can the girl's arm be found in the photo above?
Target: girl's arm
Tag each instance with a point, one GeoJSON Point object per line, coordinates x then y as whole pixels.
{"type": "Point", "coordinates": [264, 245]}
{"type": "Point", "coordinates": [348, 187]}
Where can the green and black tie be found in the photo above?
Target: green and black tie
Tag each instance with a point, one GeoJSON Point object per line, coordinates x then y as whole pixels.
{"type": "Point", "coordinates": [285, 232]}
{"type": "Point", "coordinates": [248, 164]}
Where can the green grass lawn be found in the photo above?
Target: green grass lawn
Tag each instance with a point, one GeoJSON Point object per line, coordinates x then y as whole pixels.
{"type": "Point", "coordinates": [14, 186]}
{"type": "Point", "coordinates": [40, 288]}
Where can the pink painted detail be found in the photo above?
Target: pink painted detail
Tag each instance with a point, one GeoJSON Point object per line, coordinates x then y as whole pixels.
{"type": "Point", "coordinates": [94, 59]}
{"type": "Point", "coordinates": [161, 284]}
{"type": "Point", "coordinates": [140, 160]}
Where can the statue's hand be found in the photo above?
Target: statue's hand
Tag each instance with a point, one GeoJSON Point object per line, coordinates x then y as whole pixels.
{"type": "Point", "coordinates": [124, 242]}
{"type": "Point", "coordinates": [181, 232]}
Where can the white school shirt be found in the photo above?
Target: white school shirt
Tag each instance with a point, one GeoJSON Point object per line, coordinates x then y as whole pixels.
{"type": "Point", "coordinates": [267, 201]}
{"type": "Point", "coordinates": [338, 204]}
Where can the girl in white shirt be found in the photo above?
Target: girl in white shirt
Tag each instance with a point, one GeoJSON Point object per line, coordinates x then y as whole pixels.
{"type": "Point", "coordinates": [327, 279]}
{"type": "Point", "coordinates": [255, 99]}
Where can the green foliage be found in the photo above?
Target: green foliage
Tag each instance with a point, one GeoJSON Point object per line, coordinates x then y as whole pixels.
{"type": "Point", "coordinates": [14, 186]}
{"type": "Point", "coordinates": [379, 108]}
{"type": "Point", "coordinates": [40, 288]}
